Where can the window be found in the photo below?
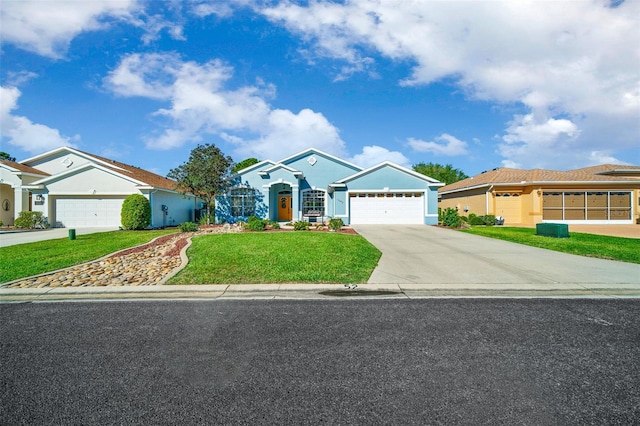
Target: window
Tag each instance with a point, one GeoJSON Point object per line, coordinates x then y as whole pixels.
{"type": "Point", "coordinates": [243, 202]}
{"type": "Point", "coordinates": [313, 203]}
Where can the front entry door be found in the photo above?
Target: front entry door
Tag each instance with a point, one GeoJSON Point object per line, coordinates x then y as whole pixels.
{"type": "Point", "coordinates": [284, 207]}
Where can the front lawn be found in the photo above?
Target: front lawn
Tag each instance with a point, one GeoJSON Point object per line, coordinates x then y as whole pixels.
{"type": "Point", "coordinates": [278, 257]}
{"type": "Point", "coordinates": [601, 246]}
{"type": "Point", "coordinates": [29, 259]}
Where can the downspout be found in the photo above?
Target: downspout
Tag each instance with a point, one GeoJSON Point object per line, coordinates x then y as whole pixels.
{"type": "Point", "coordinates": [486, 212]}
{"type": "Point", "coordinates": [151, 202]}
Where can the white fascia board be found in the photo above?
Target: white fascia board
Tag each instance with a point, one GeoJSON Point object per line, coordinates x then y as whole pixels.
{"type": "Point", "coordinates": [324, 154]}
{"type": "Point", "coordinates": [432, 181]}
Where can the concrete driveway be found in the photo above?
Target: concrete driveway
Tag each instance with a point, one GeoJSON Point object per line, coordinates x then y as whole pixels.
{"type": "Point", "coordinates": [12, 238]}
{"type": "Point", "coordinates": [422, 255]}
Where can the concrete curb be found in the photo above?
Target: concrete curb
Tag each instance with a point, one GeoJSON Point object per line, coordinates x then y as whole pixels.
{"type": "Point", "coordinates": [312, 291]}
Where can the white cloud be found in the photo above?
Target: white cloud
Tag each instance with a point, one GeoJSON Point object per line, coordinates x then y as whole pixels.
{"type": "Point", "coordinates": [550, 143]}
{"type": "Point", "coordinates": [21, 132]}
{"type": "Point", "coordinates": [556, 60]}
{"type": "Point", "coordinates": [372, 155]}
{"type": "Point", "coordinates": [201, 104]}
{"type": "Point", "coordinates": [47, 27]}
{"type": "Point", "coordinates": [445, 144]}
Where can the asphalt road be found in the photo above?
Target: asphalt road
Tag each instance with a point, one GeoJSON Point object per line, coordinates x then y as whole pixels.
{"type": "Point", "coordinates": [435, 361]}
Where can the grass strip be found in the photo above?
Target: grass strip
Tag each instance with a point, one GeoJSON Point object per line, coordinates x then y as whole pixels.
{"type": "Point", "coordinates": [25, 260]}
{"type": "Point", "coordinates": [278, 257]}
{"type": "Point", "coordinates": [599, 246]}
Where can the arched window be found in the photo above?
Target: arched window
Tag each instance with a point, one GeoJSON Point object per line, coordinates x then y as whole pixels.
{"type": "Point", "coordinates": [243, 202]}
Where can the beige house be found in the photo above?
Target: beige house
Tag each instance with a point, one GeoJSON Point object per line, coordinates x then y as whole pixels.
{"type": "Point", "coordinates": [605, 194]}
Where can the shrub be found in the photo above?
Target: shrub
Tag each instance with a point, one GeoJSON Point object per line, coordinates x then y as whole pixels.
{"type": "Point", "coordinates": [30, 220]}
{"type": "Point", "coordinates": [274, 225]}
{"type": "Point", "coordinates": [489, 220]}
{"type": "Point", "coordinates": [136, 212]}
{"type": "Point", "coordinates": [450, 218]}
{"type": "Point", "coordinates": [252, 219]}
{"type": "Point", "coordinates": [188, 227]}
{"type": "Point", "coordinates": [475, 220]}
{"type": "Point", "coordinates": [301, 226]}
{"type": "Point", "coordinates": [336, 224]}
{"type": "Point", "coordinates": [256, 224]}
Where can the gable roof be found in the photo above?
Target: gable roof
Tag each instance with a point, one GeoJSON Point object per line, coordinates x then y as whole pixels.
{"type": "Point", "coordinates": [318, 152]}
{"type": "Point", "coordinates": [145, 177]}
{"type": "Point", "coordinates": [22, 168]}
{"type": "Point", "coordinates": [392, 165]}
{"type": "Point", "coordinates": [507, 176]}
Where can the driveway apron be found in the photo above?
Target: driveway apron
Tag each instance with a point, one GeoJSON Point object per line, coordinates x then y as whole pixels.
{"type": "Point", "coordinates": [418, 254]}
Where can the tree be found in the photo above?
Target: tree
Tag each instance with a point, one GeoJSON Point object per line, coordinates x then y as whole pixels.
{"type": "Point", "coordinates": [7, 157]}
{"type": "Point", "coordinates": [136, 212]}
{"type": "Point", "coordinates": [204, 175]}
{"type": "Point", "coordinates": [244, 164]}
{"type": "Point", "coordinates": [446, 174]}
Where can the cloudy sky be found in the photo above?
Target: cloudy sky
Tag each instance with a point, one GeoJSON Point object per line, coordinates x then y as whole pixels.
{"type": "Point", "coordinates": [475, 84]}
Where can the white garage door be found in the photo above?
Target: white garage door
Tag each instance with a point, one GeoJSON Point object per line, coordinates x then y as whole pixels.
{"type": "Point", "coordinates": [387, 208]}
{"type": "Point", "coordinates": [89, 212]}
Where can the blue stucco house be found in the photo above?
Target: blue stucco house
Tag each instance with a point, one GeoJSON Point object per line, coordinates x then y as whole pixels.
{"type": "Point", "coordinates": [315, 186]}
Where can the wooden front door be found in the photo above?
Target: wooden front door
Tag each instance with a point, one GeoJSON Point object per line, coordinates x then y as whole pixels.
{"type": "Point", "coordinates": [284, 207]}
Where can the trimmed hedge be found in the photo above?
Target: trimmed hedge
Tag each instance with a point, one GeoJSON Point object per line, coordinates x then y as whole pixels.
{"type": "Point", "coordinates": [136, 212]}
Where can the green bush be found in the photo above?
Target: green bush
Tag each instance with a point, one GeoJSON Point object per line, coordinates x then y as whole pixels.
{"type": "Point", "coordinates": [188, 227]}
{"type": "Point", "coordinates": [489, 220]}
{"type": "Point", "coordinates": [31, 220]}
{"type": "Point", "coordinates": [450, 218]}
{"type": "Point", "coordinates": [475, 220]}
{"type": "Point", "coordinates": [256, 224]}
{"type": "Point", "coordinates": [274, 225]}
{"type": "Point", "coordinates": [136, 212]}
{"type": "Point", "coordinates": [301, 226]}
{"type": "Point", "coordinates": [336, 224]}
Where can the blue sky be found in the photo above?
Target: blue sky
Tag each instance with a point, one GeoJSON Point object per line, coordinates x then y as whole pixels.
{"type": "Point", "coordinates": [475, 84]}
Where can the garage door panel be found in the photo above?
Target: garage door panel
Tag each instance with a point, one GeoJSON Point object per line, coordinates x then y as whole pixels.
{"type": "Point", "coordinates": [387, 208]}
{"type": "Point", "coordinates": [88, 212]}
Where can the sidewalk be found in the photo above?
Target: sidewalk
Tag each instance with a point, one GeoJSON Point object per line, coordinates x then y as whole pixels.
{"type": "Point", "coordinates": [313, 291]}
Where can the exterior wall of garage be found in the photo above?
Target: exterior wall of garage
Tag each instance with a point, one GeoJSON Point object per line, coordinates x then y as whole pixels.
{"type": "Point", "coordinates": [528, 207]}
{"type": "Point", "coordinates": [472, 201]}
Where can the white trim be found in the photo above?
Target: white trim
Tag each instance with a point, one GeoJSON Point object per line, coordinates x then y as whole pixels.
{"type": "Point", "coordinates": [74, 151]}
{"type": "Point", "coordinates": [83, 167]}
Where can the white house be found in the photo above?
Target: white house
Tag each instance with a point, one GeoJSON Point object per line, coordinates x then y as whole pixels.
{"type": "Point", "coordinates": [73, 188]}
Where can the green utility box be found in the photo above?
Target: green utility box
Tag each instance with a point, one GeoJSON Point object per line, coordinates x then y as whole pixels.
{"type": "Point", "coordinates": [72, 234]}
{"type": "Point", "coordinates": [557, 230]}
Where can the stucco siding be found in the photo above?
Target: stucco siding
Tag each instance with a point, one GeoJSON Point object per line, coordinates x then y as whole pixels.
{"type": "Point", "coordinates": [386, 177]}
{"type": "Point", "coordinates": [59, 162]}
{"type": "Point", "coordinates": [91, 181]}
{"type": "Point", "coordinates": [323, 172]}
{"type": "Point", "coordinates": [180, 208]}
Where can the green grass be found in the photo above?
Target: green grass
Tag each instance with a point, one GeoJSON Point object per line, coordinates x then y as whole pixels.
{"type": "Point", "coordinates": [600, 246]}
{"type": "Point", "coordinates": [278, 257]}
{"type": "Point", "coordinates": [29, 259]}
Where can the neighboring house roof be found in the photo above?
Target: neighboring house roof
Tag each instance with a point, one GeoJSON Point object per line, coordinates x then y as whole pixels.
{"type": "Point", "coordinates": [147, 177]}
{"type": "Point", "coordinates": [144, 177]}
{"type": "Point", "coordinates": [505, 176]}
{"type": "Point", "coordinates": [23, 168]}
